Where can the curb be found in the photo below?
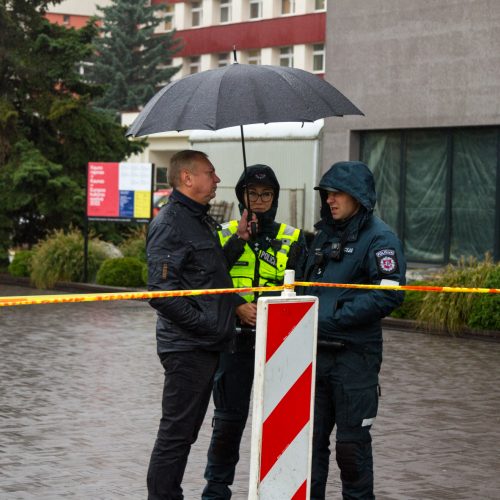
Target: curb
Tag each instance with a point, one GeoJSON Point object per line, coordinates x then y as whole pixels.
{"type": "Point", "coordinates": [414, 326]}
{"type": "Point", "coordinates": [387, 323]}
{"type": "Point", "coordinates": [66, 286]}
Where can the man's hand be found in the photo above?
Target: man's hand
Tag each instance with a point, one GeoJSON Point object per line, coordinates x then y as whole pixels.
{"type": "Point", "coordinates": [247, 313]}
{"type": "Point", "coordinates": [243, 230]}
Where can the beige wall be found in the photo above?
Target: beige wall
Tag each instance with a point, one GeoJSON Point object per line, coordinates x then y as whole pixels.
{"type": "Point", "coordinates": [408, 64]}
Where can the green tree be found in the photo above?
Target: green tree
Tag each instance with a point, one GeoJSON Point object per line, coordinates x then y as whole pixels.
{"type": "Point", "coordinates": [131, 60]}
{"type": "Point", "coordinates": [48, 128]}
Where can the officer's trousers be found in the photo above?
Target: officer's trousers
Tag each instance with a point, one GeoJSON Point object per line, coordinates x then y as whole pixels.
{"type": "Point", "coordinates": [232, 390]}
{"type": "Point", "coordinates": [346, 397]}
{"type": "Point", "coordinates": [186, 394]}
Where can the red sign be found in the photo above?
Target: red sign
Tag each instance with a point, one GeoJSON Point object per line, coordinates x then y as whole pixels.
{"type": "Point", "coordinates": [103, 193]}
{"type": "Point", "coordinates": [119, 191]}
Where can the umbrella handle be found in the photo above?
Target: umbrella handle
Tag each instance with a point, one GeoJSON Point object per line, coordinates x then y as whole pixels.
{"type": "Point", "coordinates": [253, 225]}
{"type": "Point", "coordinates": [253, 229]}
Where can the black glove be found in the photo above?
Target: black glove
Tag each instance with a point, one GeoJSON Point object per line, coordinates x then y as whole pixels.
{"type": "Point", "coordinates": [293, 255]}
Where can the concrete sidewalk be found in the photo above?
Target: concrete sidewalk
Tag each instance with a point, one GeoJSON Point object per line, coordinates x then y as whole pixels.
{"type": "Point", "coordinates": [80, 400]}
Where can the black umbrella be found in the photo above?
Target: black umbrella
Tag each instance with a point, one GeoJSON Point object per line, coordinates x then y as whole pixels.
{"type": "Point", "coordinates": [240, 94]}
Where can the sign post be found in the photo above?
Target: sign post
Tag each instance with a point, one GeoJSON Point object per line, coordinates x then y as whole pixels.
{"type": "Point", "coordinates": [283, 405]}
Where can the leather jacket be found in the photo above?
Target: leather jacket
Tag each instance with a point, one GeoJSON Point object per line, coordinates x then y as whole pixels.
{"type": "Point", "coordinates": [184, 253]}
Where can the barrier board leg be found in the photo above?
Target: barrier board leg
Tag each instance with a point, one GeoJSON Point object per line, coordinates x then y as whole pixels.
{"type": "Point", "coordinates": [283, 404]}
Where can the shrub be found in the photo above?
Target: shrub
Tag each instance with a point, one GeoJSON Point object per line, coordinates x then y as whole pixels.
{"type": "Point", "coordinates": [411, 305]}
{"type": "Point", "coordinates": [451, 311]}
{"type": "Point", "coordinates": [124, 271]}
{"type": "Point", "coordinates": [135, 245]}
{"type": "Point", "coordinates": [485, 311]}
{"type": "Point", "coordinates": [60, 257]}
{"type": "Point", "coordinates": [21, 264]}
{"type": "Point", "coordinates": [145, 273]}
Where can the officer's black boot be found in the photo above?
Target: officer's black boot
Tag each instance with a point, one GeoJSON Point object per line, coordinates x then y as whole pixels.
{"type": "Point", "coordinates": [223, 455]}
{"type": "Point", "coordinates": [356, 470]}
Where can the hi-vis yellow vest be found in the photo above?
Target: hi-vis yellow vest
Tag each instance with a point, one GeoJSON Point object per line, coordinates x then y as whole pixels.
{"type": "Point", "coordinates": [264, 268]}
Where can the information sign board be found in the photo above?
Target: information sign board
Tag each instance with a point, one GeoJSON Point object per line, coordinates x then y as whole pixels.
{"type": "Point", "coordinates": [119, 191]}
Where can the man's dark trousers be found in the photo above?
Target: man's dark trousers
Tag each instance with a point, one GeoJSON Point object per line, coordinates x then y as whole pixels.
{"type": "Point", "coordinates": [232, 389]}
{"type": "Point", "coordinates": [186, 393]}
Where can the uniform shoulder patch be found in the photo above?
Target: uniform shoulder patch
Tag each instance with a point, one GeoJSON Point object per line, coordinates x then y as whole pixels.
{"type": "Point", "coordinates": [387, 260]}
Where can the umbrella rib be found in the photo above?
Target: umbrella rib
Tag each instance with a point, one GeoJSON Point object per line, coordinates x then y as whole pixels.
{"type": "Point", "coordinates": [187, 103]}
{"type": "Point", "coordinates": [286, 76]}
{"type": "Point", "coordinates": [218, 96]}
{"type": "Point", "coordinates": [137, 125]}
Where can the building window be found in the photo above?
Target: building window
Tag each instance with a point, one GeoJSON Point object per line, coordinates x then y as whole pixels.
{"type": "Point", "coordinates": [196, 14]}
{"type": "Point", "coordinates": [66, 19]}
{"type": "Point", "coordinates": [287, 6]}
{"type": "Point", "coordinates": [437, 189]}
{"type": "Point", "coordinates": [319, 58]}
{"type": "Point", "coordinates": [255, 9]}
{"type": "Point", "coordinates": [286, 56]}
{"type": "Point", "coordinates": [254, 57]}
{"type": "Point", "coordinates": [169, 17]}
{"type": "Point", "coordinates": [225, 11]}
{"type": "Point", "coordinates": [224, 59]}
{"type": "Point", "coordinates": [319, 4]}
{"type": "Point", "coordinates": [194, 65]}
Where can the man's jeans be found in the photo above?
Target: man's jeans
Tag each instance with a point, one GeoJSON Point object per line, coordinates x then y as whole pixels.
{"type": "Point", "coordinates": [186, 393]}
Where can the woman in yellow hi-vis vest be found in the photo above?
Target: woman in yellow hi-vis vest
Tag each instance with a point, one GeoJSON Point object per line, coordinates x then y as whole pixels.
{"type": "Point", "coordinates": [264, 259]}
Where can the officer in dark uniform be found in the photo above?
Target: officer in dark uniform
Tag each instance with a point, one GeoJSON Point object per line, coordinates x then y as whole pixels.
{"type": "Point", "coordinates": [351, 246]}
{"type": "Point", "coordinates": [265, 257]}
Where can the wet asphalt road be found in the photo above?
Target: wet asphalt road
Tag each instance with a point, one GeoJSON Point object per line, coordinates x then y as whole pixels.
{"type": "Point", "coordinates": [80, 391]}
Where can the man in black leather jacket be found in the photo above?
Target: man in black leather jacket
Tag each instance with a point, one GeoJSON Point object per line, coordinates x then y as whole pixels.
{"type": "Point", "coordinates": [184, 253]}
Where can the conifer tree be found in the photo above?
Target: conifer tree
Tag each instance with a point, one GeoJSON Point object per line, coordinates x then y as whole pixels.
{"type": "Point", "coordinates": [131, 60]}
{"type": "Point", "coordinates": [48, 129]}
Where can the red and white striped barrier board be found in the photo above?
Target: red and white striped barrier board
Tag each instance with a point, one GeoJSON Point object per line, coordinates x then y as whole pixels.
{"type": "Point", "coordinates": [285, 359]}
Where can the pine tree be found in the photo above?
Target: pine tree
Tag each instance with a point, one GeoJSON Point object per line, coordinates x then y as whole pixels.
{"type": "Point", "coordinates": [131, 61]}
{"type": "Point", "coordinates": [48, 129]}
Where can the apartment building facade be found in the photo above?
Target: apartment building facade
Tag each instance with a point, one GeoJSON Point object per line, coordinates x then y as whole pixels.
{"type": "Point", "coordinates": [278, 32]}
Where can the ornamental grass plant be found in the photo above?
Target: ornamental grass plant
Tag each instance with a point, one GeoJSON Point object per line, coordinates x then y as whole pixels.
{"type": "Point", "coordinates": [60, 257]}
{"type": "Point", "coordinates": [452, 312]}
{"type": "Point", "coordinates": [135, 244]}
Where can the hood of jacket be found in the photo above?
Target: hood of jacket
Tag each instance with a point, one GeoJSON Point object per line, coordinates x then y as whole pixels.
{"type": "Point", "coordinates": [263, 175]}
{"type": "Point", "coordinates": [351, 177]}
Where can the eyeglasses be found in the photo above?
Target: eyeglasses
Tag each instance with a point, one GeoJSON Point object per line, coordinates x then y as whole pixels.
{"type": "Point", "coordinates": [265, 196]}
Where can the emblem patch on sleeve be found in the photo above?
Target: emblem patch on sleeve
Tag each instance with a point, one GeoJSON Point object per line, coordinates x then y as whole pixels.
{"type": "Point", "coordinates": [387, 261]}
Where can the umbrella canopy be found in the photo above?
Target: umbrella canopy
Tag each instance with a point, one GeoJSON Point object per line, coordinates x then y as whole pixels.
{"type": "Point", "coordinates": [240, 94]}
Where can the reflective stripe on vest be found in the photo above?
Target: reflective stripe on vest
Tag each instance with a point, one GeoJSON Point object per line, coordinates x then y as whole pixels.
{"type": "Point", "coordinates": [271, 265]}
